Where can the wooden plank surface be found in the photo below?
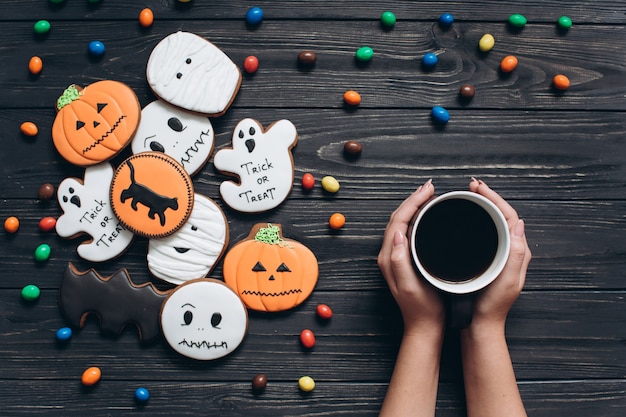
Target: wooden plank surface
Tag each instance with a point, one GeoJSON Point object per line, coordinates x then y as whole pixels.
{"type": "Point", "coordinates": [559, 158]}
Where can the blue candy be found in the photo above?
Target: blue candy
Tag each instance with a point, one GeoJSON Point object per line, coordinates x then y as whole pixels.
{"type": "Point", "coordinates": [440, 115]}
{"type": "Point", "coordinates": [254, 15]}
{"type": "Point", "coordinates": [446, 20]}
{"type": "Point", "coordinates": [64, 334]}
{"type": "Point", "coordinates": [96, 48]}
{"type": "Point", "coordinates": [429, 60]}
{"type": "Point", "coordinates": [142, 395]}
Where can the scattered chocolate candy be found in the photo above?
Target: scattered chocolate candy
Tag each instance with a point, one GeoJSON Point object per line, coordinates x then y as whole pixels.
{"type": "Point", "coordinates": [42, 253]}
{"type": "Point", "coordinates": [259, 382]}
{"type": "Point", "coordinates": [517, 20]}
{"type": "Point", "coordinates": [352, 98]}
{"type": "Point", "coordinates": [440, 115]}
{"type": "Point", "coordinates": [251, 64]}
{"type": "Point", "coordinates": [429, 60]}
{"type": "Point", "coordinates": [352, 147]}
{"type": "Point", "coordinates": [35, 65]}
{"type": "Point", "coordinates": [330, 184]}
{"type": "Point", "coordinates": [47, 224]}
{"type": "Point", "coordinates": [388, 19]}
{"type": "Point", "coordinates": [508, 64]}
{"type": "Point", "coordinates": [254, 16]}
{"type": "Point", "coordinates": [146, 17]}
{"type": "Point", "coordinates": [364, 54]}
{"type": "Point", "coordinates": [323, 311]}
{"type": "Point", "coordinates": [41, 27]}
{"type": "Point", "coordinates": [29, 129]}
{"type": "Point", "coordinates": [91, 376]}
{"type": "Point", "coordinates": [486, 43]}
{"type": "Point", "coordinates": [564, 22]}
{"type": "Point", "coordinates": [96, 48]}
{"type": "Point", "coordinates": [31, 292]}
{"type": "Point", "coordinates": [142, 395]}
{"type": "Point", "coordinates": [307, 338]}
{"type": "Point", "coordinates": [561, 82]}
{"type": "Point", "coordinates": [337, 221]}
{"type": "Point", "coordinates": [467, 91]}
{"type": "Point", "coordinates": [306, 383]}
{"type": "Point", "coordinates": [308, 181]}
{"type": "Point", "coordinates": [446, 20]}
{"type": "Point", "coordinates": [307, 58]}
{"type": "Point", "coordinates": [11, 224]}
{"type": "Point", "coordinates": [46, 191]}
{"type": "Point", "coordinates": [63, 334]}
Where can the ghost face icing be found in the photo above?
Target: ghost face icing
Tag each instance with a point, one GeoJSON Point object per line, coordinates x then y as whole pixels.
{"type": "Point", "coordinates": [193, 250]}
{"type": "Point", "coordinates": [187, 137]}
{"type": "Point", "coordinates": [204, 319]}
{"type": "Point", "coordinates": [188, 71]}
{"type": "Point", "coordinates": [87, 210]}
{"type": "Point", "coordinates": [263, 163]}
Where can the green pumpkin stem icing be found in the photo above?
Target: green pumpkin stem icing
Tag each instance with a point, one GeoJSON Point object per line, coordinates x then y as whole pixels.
{"type": "Point", "coordinates": [70, 94]}
{"type": "Point", "coordinates": [270, 235]}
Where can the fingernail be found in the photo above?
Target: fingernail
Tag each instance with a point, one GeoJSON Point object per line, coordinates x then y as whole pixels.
{"type": "Point", "coordinates": [474, 179]}
{"type": "Point", "coordinates": [427, 183]}
{"type": "Point", "coordinates": [518, 229]}
{"type": "Point", "coordinates": [398, 239]}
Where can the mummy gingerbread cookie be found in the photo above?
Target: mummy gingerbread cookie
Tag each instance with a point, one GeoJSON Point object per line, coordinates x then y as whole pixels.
{"type": "Point", "coordinates": [262, 161]}
{"type": "Point", "coordinates": [204, 319]}
{"type": "Point", "coordinates": [194, 249]}
{"type": "Point", "coordinates": [87, 210]}
{"type": "Point", "coordinates": [188, 71]}
{"type": "Point", "coordinates": [93, 124]}
{"type": "Point", "coordinates": [185, 136]}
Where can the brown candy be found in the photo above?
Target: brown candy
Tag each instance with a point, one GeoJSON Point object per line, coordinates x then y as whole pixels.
{"type": "Point", "coordinates": [307, 58]}
{"type": "Point", "coordinates": [467, 91]}
{"type": "Point", "coordinates": [46, 192]}
{"type": "Point", "coordinates": [352, 147]}
{"type": "Point", "coordinates": [259, 382]}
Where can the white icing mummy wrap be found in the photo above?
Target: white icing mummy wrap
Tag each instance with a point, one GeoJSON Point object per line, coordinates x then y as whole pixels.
{"type": "Point", "coordinates": [193, 250]}
{"type": "Point", "coordinates": [188, 71]}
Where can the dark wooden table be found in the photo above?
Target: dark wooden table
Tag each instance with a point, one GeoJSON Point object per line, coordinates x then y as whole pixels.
{"type": "Point", "coordinates": [559, 158]}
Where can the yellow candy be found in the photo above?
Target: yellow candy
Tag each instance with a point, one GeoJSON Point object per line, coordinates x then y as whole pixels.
{"type": "Point", "coordinates": [330, 184]}
{"type": "Point", "coordinates": [486, 42]}
{"type": "Point", "coordinates": [306, 383]}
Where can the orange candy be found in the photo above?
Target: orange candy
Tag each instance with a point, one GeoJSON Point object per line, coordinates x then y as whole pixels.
{"type": "Point", "coordinates": [561, 82]}
{"type": "Point", "coordinates": [337, 221]}
{"type": "Point", "coordinates": [146, 17]}
{"type": "Point", "coordinates": [91, 376]}
{"type": "Point", "coordinates": [29, 129]}
{"type": "Point", "coordinates": [508, 63]}
{"type": "Point", "coordinates": [11, 224]}
{"type": "Point", "coordinates": [35, 65]}
{"type": "Point", "coordinates": [352, 98]}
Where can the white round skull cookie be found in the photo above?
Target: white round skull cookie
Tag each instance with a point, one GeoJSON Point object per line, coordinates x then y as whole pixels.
{"type": "Point", "coordinates": [204, 319]}
{"type": "Point", "coordinates": [193, 250]}
{"type": "Point", "coordinates": [188, 71]}
{"type": "Point", "coordinates": [185, 136]}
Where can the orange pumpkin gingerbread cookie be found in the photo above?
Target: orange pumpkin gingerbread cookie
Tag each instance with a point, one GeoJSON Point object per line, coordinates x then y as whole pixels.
{"type": "Point", "coordinates": [93, 124]}
{"type": "Point", "coordinates": [270, 273]}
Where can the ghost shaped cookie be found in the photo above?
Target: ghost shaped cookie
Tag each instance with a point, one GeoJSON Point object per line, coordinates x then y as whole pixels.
{"type": "Point", "coordinates": [185, 136]}
{"type": "Point", "coordinates": [263, 163]}
{"type": "Point", "coordinates": [193, 250]}
{"type": "Point", "coordinates": [188, 71]}
{"type": "Point", "coordinates": [87, 210]}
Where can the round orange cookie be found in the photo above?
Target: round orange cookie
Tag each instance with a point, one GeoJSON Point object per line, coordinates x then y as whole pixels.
{"type": "Point", "coordinates": [95, 123]}
{"type": "Point", "coordinates": [268, 272]}
{"type": "Point", "coordinates": [152, 194]}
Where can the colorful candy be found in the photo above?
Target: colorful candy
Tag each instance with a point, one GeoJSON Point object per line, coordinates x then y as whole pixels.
{"type": "Point", "coordinates": [561, 82]}
{"type": "Point", "coordinates": [307, 338]}
{"type": "Point", "coordinates": [352, 98]}
{"type": "Point", "coordinates": [429, 60]}
{"type": "Point", "coordinates": [307, 58]}
{"type": "Point", "coordinates": [388, 19]}
{"type": "Point", "coordinates": [508, 63]}
{"type": "Point", "coordinates": [330, 184]}
{"type": "Point", "coordinates": [352, 147]}
{"type": "Point", "coordinates": [146, 17]}
{"type": "Point", "coordinates": [486, 43]}
{"type": "Point", "coordinates": [91, 376]}
{"type": "Point", "coordinates": [564, 22]}
{"type": "Point", "coordinates": [251, 64]}
{"type": "Point", "coordinates": [46, 191]}
{"type": "Point", "coordinates": [35, 65]}
{"type": "Point", "coordinates": [64, 334]}
{"type": "Point", "coordinates": [42, 253]}
{"type": "Point", "coordinates": [440, 115]}
{"type": "Point", "coordinates": [41, 27]}
{"type": "Point", "coordinates": [254, 16]}
{"type": "Point", "coordinates": [364, 54]}
{"type": "Point", "coordinates": [30, 292]}
{"type": "Point", "coordinates": [29, 129]}
{"type": "Point", "coordinates": [142, 395]}
{"type": "Point", "coordinates": [259, 382]}
{"type": "Point", "coordinates": [467, 91]}
{"type": "Point", "coordinates": [323, 311]}
{"type": "Point", "coordinates": [446, 20]}
{"type": "Point", "coordinates": [337, 221]}
{"type": "Point", "coordinates": [517, 20]}
{"type": "Point", "coordinates": [306, 383]}
{"type": "Point", "coordinates": [308, 181]}
{"type": "Point", "coordinates": [96, 48]}
{"type": "Point", "coordinates": [47, 224]}
{"type": "Point", "coordinates": [11, 224]}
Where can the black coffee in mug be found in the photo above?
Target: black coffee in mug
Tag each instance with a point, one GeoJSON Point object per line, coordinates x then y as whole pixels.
{"type": "Point", "coordinates": [456, 240]}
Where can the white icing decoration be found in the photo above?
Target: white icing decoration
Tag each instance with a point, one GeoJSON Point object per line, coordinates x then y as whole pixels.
{"type": "Point", "coordinates": [263, 163]}
{"type": "Point", "coordinates": [204, 319]}
{"type": "Point", "coordinates": [188, 71]}
{"type": "Point", "coordinates": [187, 137]}
{"type": "Point", "coordinates": [192, 251]}
{"type": "Point", "coordinates": [87, 209]}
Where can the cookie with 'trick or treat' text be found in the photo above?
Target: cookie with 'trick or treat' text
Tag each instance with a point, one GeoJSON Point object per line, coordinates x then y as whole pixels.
{"type": "Point", "coordinates": [93, 124]}
{"type": "Point", "coordinates": [262, 162]}
{"type": "Point", "coordinates": [188, 71]}
{"type": "Point", "coordinates": [87, 210]}
{"type": "Point", "coordinates": [185, 136]}
{"type": "Point", "coordinates": [193, 250]}
{"type": "Point", "coordinates": [203, 319]}
{"type": "Point", "coordinates": [152, 194]}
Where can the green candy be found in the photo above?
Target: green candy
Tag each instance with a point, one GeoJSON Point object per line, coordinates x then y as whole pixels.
{"type": "Point", "coordinates": [42, 253]}
{"type": "Point", "coordinates": [41, 27]}
{"type": "Point", "coordinates": [30, 292]}
{"type": "Point", "coordinates": [364, 53]}
{"type": "Point", "coordinates": [517, 20]}
{"type": "Point", "coordinates": [388, 19]}
{"type": "Point", "coordinates": [565, 22]}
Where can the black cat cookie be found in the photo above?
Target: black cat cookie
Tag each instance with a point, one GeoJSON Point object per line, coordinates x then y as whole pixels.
{"type": "Point", "coordinates": [152, 194]}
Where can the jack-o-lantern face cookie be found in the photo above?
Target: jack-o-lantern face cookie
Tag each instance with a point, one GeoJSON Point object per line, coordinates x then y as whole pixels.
{"type": "Point", "coordinates": [270, 273]}
{"type": "Point", "coordinates": [188, 71]}
{"type": "Point", "coordinates": [204, 319]}
{"type": "Point", "coordinates": [151, 194]}
{"type": "Point", "coordinates": [95, 123]}
{"type": "Point", "coordinates": [185, 136]}
{"type": "Point", "coordinates": [262, 161]}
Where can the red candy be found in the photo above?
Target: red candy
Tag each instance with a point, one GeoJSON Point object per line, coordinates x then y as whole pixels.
{"type": "Point", "coordinates": [47, 224]}
{"type": "Point", "coordinates": [308, 181]}
{"type": "Point", "coordinates": [307, 338]}
{"type": "Point", "coordinates": [251, 64]}
{"type": "Point", "coordinates": [323, 311]}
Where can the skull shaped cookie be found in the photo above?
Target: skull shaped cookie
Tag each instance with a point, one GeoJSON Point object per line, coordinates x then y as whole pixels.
{"type": "Point", "coordinates": [262, 161]}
